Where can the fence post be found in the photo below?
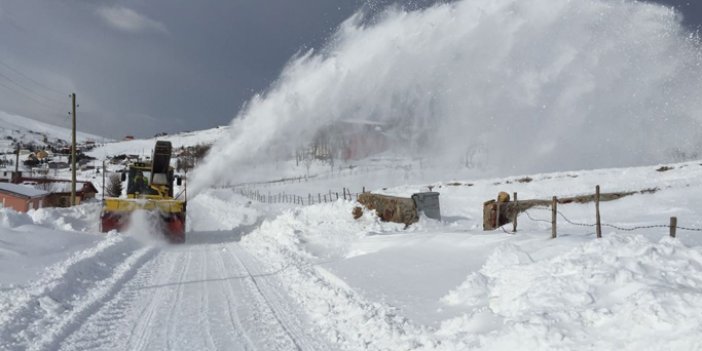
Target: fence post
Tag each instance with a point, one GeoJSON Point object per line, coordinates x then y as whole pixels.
{"type": "Point", "coordinates": [337, 196]}
{"type": "Point", "coordinates": [516, 212]}
{"type": "Point", "coordinates": [554, 211]}
{"type": "Point", "coordinates": [673, 226]}
{"type": "Point", "coordinates": [598, 225]}
{"type": "Point", "coordinates": [319, 197]}
{"type": "Point", "coordinates": [364, 189]}
{"type": "Point", "coordinates": [497, 214]}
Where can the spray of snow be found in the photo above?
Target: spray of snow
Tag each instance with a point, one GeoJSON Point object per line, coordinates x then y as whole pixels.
{"type": "Point", "coordinates": [540, 85]}
{"type": "Point", "coordinates": [146, 227]}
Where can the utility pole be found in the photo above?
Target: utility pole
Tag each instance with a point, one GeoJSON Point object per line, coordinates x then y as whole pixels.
{"type": "Point", "coordinates": [15, 177]}
{"type": "Point", "coordinates": [103, 179]}
{"type": "Point", "coordinates": [17, 159]}
{"type": "Point", "coordinates": [73, 153]}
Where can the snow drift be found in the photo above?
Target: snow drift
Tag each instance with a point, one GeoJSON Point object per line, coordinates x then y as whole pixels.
{"type": "Point", "coordinates": [542, 85]}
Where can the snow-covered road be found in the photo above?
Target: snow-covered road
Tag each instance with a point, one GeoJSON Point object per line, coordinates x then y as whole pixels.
{"type": "Point", "coordinates": [198, 296]}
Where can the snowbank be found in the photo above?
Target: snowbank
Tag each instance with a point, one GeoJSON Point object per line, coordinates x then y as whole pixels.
{"type": "Point", "coordinates": [623, 292]}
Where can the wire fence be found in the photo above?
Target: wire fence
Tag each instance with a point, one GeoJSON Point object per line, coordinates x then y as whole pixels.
{"type": "Point", "coordinates": [347, 194]}
{"type": "Point", "coordinates": [310, 199]}
{"type": "Point", "coordinates": [672, 226]}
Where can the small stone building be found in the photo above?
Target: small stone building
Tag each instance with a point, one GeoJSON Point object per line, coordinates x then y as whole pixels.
{"type": "Point", "coordinates": [22, 198]}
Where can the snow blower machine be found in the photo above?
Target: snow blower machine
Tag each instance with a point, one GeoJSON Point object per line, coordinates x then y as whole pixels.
{"type": "Point", "coordinates": [149, 189]}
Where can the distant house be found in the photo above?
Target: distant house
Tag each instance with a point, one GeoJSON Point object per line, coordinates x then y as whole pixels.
{"type": "Point", "coordinates": [61, 193]}
{"type": "Point", "coordinates": [349, 140]}
{"type": "Point", "coordinates": [22, 198]}
{"type": "Point", "coordinates": [128, 138]}
{"type": "Point", "coordinates": [60, 190]}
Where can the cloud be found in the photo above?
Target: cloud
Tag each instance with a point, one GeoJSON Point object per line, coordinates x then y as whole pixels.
{"type": "Point", "coordinates": [128, 20]}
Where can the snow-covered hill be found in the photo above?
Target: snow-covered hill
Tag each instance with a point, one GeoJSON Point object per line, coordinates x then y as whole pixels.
{"type": "Point", "coordinates": [144, 146]}
{"type": "Point", "coordinates": [27, 130]}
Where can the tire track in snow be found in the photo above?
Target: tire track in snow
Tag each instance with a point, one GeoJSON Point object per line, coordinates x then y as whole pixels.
{"type": "Point", "coordinates": [95, 299]}
{"type": "Point", "coordinates": [105, 328]}
{"type": "Point", "coordinates": [261, 322]}
{"type": "Point", "coordinates": [146, 316]}
{"type": "Point", "coordinates": [179, 296]}
{"type": "Point", "coordinates": [52, 307]}
{"type": "Point", "coordinates": [232, 314]}
{"type": "Point", "coordinates": [205, 303]}
{"type": "Point", "coordinates": [281, 305]}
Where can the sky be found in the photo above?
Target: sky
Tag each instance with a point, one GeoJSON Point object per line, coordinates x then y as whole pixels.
{"type": "Point", "coordinates": [141, 68]}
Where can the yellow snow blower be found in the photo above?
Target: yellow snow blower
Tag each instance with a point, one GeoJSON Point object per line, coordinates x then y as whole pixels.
{"type": "Point", "coordinates": [149, 188]}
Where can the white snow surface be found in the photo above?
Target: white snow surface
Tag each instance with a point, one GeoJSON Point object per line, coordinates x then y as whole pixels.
{"type": "Point", "coordinates": [280, 276]}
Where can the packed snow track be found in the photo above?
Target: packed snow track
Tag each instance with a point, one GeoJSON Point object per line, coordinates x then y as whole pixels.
{"type": "Point", "coordinates": [197, 296]}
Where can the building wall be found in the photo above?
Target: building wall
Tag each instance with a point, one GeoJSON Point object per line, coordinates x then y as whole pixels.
{"type": "Point", "coordinates": [20, 204]}
{"type": "Point", "coordinates": [62, 200]}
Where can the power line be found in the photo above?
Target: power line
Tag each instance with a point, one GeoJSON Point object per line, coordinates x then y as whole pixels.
{"type": "Point", "coordinates": [42, 103]}
{"type": "Point", "coordinates": [30, 91]}
{"type": "Point", "coordinates": [30, 79]}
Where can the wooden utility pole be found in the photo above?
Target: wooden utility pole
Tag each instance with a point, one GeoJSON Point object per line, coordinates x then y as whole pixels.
{"type": "Point", "coordinates": [73, 152]}
{"type": "Point", "coordinates": [104, 170]}
{"type": "Point", "coordinates": [17, 160]}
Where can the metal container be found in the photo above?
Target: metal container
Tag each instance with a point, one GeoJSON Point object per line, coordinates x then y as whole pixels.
{"type": "Point", "coordinates": [428, 203]}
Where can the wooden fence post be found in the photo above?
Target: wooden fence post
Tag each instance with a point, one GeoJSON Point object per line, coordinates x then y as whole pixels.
{"type": "Point", "coordinates": [516, 212]}
{"type": "Point", "coordinates": [319, 197]}
{"type": "Point", "coordinates": [598, 224]}
{"type": "Point", "coordinates": [673, 226]}
{"type": "Point", "coordinates": [554, 211]}
{"type": "Point", "coordinates": [364, 189]}
{"type": "Point", "coordinates": [497, 213]}
{"type": "Point", "coordinates": [337, 196]}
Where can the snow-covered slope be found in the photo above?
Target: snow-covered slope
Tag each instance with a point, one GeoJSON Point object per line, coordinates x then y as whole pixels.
{"type": "Point", "coordinates": [27, 130]}
{"type": "Point", "coordinates": [144, 146]}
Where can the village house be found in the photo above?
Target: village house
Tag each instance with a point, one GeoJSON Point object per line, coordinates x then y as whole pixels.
{"type": "Point", "coordinates": [21, 198]}
{"type": "Point", "coordinates": [60, 191]}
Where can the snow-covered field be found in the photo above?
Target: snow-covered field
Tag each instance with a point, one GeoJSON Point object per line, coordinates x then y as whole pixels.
{"type": "Point", "coordinates": [281, 277]}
